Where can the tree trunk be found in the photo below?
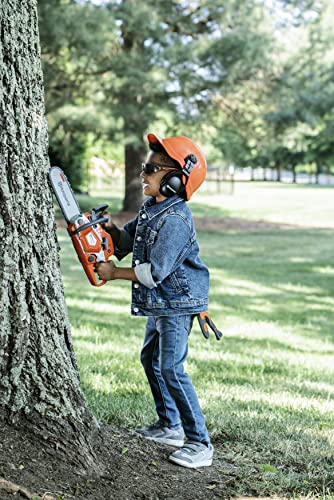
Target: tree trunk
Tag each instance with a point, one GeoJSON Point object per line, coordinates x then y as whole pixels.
{"type": "Point", "coordinates": [39, 382]}
{"type": "Point", "coordinates": [134, 128]}
{"type": "Point", "coordinates": [317, 173]}
{"type": "Point", "coordinates": [294, 174]}
{"type": "Point", "coordinates": [134, 156]}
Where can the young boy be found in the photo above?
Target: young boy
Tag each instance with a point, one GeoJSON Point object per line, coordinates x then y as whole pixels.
{"type": "Point", "coordinates": [170, 286]}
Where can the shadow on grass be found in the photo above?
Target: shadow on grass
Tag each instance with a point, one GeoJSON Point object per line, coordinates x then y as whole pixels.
{"type": "Point", "coordinates": [105, 325]}
{"type": "Point", "coordinates": [282, 277]}
{"type": "Point", "coordinates": [256, 433]}
{"type": "Point", "coordinates": [255, 371]}
{"type": "Point", "coordinates": [238, 344]}
{"type": "Point", "coordinates": [268, 307]}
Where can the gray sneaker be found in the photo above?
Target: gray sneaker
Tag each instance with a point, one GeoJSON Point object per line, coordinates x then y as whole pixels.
{"type": "Point", "coordinates": [161, 434]}
{"type": "Point", "coordinates": [193, 454]}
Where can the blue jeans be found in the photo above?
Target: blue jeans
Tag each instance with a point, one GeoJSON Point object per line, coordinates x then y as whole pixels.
{"type": "Point", "coordinates": [164, 352]}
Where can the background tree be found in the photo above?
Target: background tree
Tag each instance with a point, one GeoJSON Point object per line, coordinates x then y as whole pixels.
{"type": "Point", "coordinates": [238, 76]}
{"type": "Point", "coordinates": [164, 66]}
{"type": "Point", "coordinates": [39, 382]}
{"type": "Point", "coordinates": [299, 95]}
{"type": "Point", "coordinates": [186, 53]}
{"type": "Point", "coordinates": [77, 42]}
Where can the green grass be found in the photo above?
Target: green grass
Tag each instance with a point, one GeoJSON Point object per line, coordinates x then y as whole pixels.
{"type": "Point", "coordinates": [267, 388]}
{"type": "Point", "coordinates": [270, 201]}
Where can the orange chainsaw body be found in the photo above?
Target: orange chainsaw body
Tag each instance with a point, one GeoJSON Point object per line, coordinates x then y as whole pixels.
{"type": "Point", "coordinates": [92, 244]}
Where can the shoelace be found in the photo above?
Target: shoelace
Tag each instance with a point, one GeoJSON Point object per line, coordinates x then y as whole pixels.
{"type": "Point", "coordinates": [192, 447]}
{"type": "Point", "coordinates": [156, 425]}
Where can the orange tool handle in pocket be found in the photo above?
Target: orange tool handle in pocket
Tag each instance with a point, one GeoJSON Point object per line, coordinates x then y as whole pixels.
{"type": "Point", "coordinates": [205, 322]}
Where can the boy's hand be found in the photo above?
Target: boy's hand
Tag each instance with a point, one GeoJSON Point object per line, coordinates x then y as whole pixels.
{"type": "Point", "coordinates": [106, 270]}
{"type": "Point", "coordinates": [109, 224]}
{"type": "Point", "coordinates": [111, 228]}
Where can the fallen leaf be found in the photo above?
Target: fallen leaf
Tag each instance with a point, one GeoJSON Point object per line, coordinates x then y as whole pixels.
{"type": "Point", "coordinates": [268, 468]}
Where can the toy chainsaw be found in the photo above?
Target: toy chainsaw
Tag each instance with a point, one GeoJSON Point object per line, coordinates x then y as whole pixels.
{"type": "Point", "coordinates": [91, 242]}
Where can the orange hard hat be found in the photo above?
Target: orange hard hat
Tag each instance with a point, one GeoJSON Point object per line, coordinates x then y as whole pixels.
{"type": "Point", "coordinates": [189, 156]}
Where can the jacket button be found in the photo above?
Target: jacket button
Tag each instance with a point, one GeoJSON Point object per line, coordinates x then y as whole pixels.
{"type": "Point", "coordinates": [137, 262]}
{"type": "Point", "coordinates": [143, 216]}
{"type": "Point", "coordinates": [136, 285]}
{"type": "Point", "coordinates": [139, 238]}
{"type": "Point", "coordinates": [135, 309]}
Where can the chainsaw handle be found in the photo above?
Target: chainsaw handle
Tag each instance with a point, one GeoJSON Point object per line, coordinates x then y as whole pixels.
{"type": "Point", "coordinates": [94, 282]}
{"type": "Point", "coordinates": [89, 224]}
{"type": "Point", "coordinates": [90, 271]}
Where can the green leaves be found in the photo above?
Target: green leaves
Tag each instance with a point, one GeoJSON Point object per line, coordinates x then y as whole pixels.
{"type": "Point", "coordinates": [247, 80]}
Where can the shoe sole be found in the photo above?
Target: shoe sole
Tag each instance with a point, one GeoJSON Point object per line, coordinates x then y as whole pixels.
{"type": "Point", "coordinates": [170, 442]}
{"type": "Point", "coordinates": [178, 461]}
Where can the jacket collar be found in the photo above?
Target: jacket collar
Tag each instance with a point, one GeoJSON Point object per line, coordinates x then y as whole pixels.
{"type": "Point", "coordinates": [153, 209]}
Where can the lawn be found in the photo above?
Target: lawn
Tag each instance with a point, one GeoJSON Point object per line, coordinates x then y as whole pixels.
{"type": "Point", "coordinates": [267, 388]}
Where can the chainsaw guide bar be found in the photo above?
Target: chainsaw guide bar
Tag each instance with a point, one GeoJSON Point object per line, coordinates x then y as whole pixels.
{"type": "Point", "coordinates": [64, 194]}
{"type": "Point", "coordinates": [91, 242]}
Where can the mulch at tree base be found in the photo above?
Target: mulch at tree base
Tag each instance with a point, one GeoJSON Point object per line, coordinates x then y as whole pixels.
{"type": "Point", "coordinates": [133, 469]}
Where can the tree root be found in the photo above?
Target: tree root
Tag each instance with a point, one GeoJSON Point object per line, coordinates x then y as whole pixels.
{"type": "Point", "coordinates": [16, 488]}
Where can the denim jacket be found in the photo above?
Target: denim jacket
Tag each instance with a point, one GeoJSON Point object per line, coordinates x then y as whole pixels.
{"type": "Point", "coordinates": [172, 279]}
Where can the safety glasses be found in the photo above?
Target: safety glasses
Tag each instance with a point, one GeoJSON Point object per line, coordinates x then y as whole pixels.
{"type": "Point", "coordinates": [152, 168]}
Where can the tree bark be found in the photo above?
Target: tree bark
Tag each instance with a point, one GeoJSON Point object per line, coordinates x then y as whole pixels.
{"type": "Point", "coordinates": [328, 174]}
{"type": "Point", "coordinates": [317, 173]}
{"type": "Point", "coordinates": [294, 174]}
{"type": "Point", "coordinates": [134, 156]}
{"type": "Point", "coordinates": [39, 381]}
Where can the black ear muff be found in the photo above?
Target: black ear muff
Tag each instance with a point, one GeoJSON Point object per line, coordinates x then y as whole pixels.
{"type": "Point", "coordinates": [171, 184]}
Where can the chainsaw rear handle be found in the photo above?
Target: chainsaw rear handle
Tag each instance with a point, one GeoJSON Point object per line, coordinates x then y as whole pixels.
{"type": "Point", "coordinates": [90, 273]}
{"type": "Point", "coordinates": [89, 224]}
{"type": "Point", "coordinates": [89, 262]}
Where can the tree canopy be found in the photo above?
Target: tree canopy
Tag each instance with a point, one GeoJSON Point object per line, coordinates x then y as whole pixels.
{"type": "Point", "coordinates": [250, 81]}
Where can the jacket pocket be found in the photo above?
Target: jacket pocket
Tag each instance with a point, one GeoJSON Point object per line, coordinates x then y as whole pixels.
{"type": "Point", "coordinates": [179, 281]}
{"type": "Point", "coordinates": [150, 236]}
